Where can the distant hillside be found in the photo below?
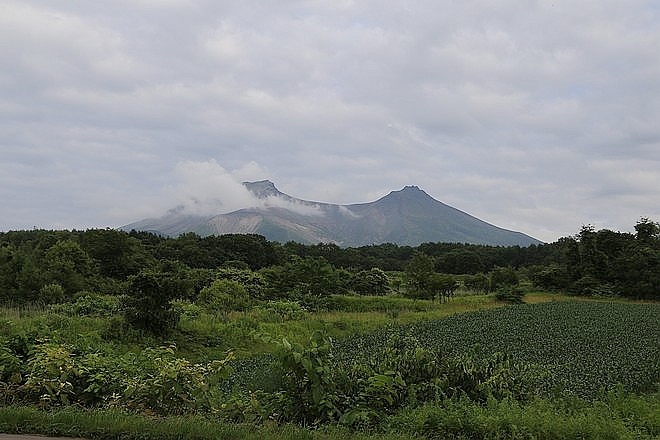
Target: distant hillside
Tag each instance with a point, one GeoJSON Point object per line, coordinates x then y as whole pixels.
{"type": "Point", "coordinates": [406, 217]}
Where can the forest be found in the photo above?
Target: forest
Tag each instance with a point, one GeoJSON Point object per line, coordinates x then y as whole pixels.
{"type": "Point", "coordinates": [192, 337]}
{"type": "Point", "coordinates": [51, 266]}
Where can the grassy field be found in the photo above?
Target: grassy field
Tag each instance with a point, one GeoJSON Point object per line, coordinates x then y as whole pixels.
{"type": "Point", "coordinates": [590, 368]}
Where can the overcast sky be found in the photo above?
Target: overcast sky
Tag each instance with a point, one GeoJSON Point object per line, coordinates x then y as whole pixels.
{"type": "Point", "coordinates": [536, 116]}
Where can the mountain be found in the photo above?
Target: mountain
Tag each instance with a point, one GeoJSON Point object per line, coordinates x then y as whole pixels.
{"type": "Point", "coordinates": [406, 217]}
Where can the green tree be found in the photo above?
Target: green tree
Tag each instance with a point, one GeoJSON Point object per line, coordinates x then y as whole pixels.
{"type": "Point", "coordinates": [9, 268]}
{"type": "Point", "coordinates": [442, 286]}
{"type": "Point", "coordinates": [69, 266]}
{"type": "Point", "coordinates": [370, 282]}
{"type": "Point", "coordinates": [503, 277]}
{"type": "Point", "coordinates": [647, 231]}
{"type": "Point", "coordinates": [479, 282]}
{"type": "Point", "coordinates": [418, 276]}
{"type": "Point", "coordinates": [149, 303]}
{"type": "Point", "coordinates": [305, 278]}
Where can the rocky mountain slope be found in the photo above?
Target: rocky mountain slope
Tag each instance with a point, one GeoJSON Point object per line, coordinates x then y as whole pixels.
{"type": "Point", "coordinates": [406, 217]}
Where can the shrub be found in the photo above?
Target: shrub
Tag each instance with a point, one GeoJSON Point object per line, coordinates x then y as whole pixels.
{"type": "Point", "coordinates": [90, 304]}
{"type": "Point", "coordinates": [224, 296]}
{"type": "Point", "coordinates": [502, 276]}
{"type": "Point", "coordinates": [477, 282]}
{"type": "Point", "coordinates": [52, 293]}
{"type": "Point", "coordinates": [51, 374]}
{"type": "Point", "coordinates": [10, 365]}
{"type": "Point", "coordinates": [370, 282]}
{"type": "Point", "coordinates": [154, 380]}
{"type": "Point", "coordinates": [170, 385]}
{"type": "Point", "coordinates": [510, 295]}
{"type": "Point", "coordinates": [148, 304]}
{"type": "Point", "coordinates": [253, 282]}
{"type": "Point", "coordinates": [280, 311]}
{"type": "Point", "coordinates": [187, 310]}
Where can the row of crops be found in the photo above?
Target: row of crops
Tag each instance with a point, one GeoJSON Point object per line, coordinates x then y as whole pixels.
{"type": "Point", "coordinates": [579, 348]}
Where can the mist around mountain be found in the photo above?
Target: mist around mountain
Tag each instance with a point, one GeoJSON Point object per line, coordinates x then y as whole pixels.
{"type": "Point", "coordinates": [405, 217]}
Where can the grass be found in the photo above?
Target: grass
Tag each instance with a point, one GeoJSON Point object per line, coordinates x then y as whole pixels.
{"type": "Point", "coordinates": [209, 336]}
{"type": "Point", "coordinates": [618, 417]}
{"type": "Point", "coordinates": [200, 335]}
{"type": "Point", "coordinates": [112, 424]}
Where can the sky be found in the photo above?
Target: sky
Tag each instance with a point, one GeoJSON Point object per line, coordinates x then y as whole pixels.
{"type": "Point", "coordinates": [536, 116]}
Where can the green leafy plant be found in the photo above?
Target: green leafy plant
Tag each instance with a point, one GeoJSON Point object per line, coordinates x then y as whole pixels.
{"type": "Point", "coordinates": [171, 385]}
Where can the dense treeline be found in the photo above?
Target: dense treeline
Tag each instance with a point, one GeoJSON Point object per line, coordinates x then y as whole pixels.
{"type": "Point", "coordinates": [245, 330]}
{"type": "Point", "coordinates": [50, 266]}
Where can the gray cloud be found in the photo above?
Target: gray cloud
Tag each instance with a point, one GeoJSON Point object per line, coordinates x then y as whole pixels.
{"type": "Point", "coordinates": [536, 116]}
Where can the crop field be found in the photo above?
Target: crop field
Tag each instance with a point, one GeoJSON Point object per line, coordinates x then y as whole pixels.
{"type": "Point", "coordinates": [577, 348]}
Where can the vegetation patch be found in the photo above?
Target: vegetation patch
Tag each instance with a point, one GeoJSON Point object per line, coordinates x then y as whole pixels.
{"type": "Point", "coordinates": [582, 348]}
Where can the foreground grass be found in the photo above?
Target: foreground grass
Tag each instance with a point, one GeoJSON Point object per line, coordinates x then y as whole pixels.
{"type": "Point", "coordinates": [618, 417]}
{"type": "Point", "coordinates": [113, 424]}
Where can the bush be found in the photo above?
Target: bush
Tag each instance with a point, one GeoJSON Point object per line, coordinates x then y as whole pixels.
{"type": "Point", "coordinates": [154, 380]}
{"type": "Point", "coordinates": [148, 305]}
{"type": "Point", "coordinates": [10, 365]}
{"type": "Point", "coordinates": [501, 277]}
{"type": "Point", "coordinates": [90, 304]}
{"type": "Point", "coordinates": [280, 311]}
{"type": "Point", "coordinates": [510, 295]}
{"type": "Point", "coordinates": [370, 282]}
{"type": "Point", "coordinates": [253, 282]}
{"type": "Point", "coordinates": [358, 388]}
{"type": "Point", "coordinates": [477, 282]}
{"type": "Point", "coordinates": [187, 310]}
{"type": "Point", "coordinates": [52, 293]}
{"type": "Point", "coordinates": [588, 285]}
{"type": "Point", "coordinates": [171, 385]}
{"type": "Point", "coordinates": [225, 296]}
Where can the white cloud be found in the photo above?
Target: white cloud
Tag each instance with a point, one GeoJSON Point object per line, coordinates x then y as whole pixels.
{"type": "Point", "coordinates": [206, 188]}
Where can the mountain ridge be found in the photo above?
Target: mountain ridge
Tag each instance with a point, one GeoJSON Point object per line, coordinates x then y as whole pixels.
{"type": "Point", "coordinates": [408, 216]}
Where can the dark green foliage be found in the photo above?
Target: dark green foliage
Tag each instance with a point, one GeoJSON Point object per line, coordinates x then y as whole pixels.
{"type": "Point", "coordinates": [117, 254]}
{"type": "Point", "coordinates": [90, 304]}
{"type": "Point", "coordinates": [52, 293]}
{"type": "Point", "coordinates": [370, 282]}
{"type": "Point", "coordinates": [419, 270]}
{"type": "Point", "coordinates": [148, 304]}
{"type": "Point", "coordinates": [308, 280]}
{"type": "Point", "coordinates": [442, 286]}
{"type": "Point", "coordinates": [553, 277]}
{"type": "Point", "coordinates": [224, 296]}
{"type": "Point", "coordinates": [600, 262]}
{"type": "Point", "coordinates": [605, 262]}
{"type": "Point", "coordinates": [254, 282]}
{"type": "Point", "coordinates": [510, 294]}
{"type": "Point", "coordinates": [503, 277]}
{"type": "Point", "coordinates": [321, 383]}
{"type": "Point", "coordinates": [581, 348]}
{"type": "Point", "coordinates": [69, 266]}
{"type": "Point", "coordinates": [479, 282]}
{"type": "Point", "coordinates": [460, 261]}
